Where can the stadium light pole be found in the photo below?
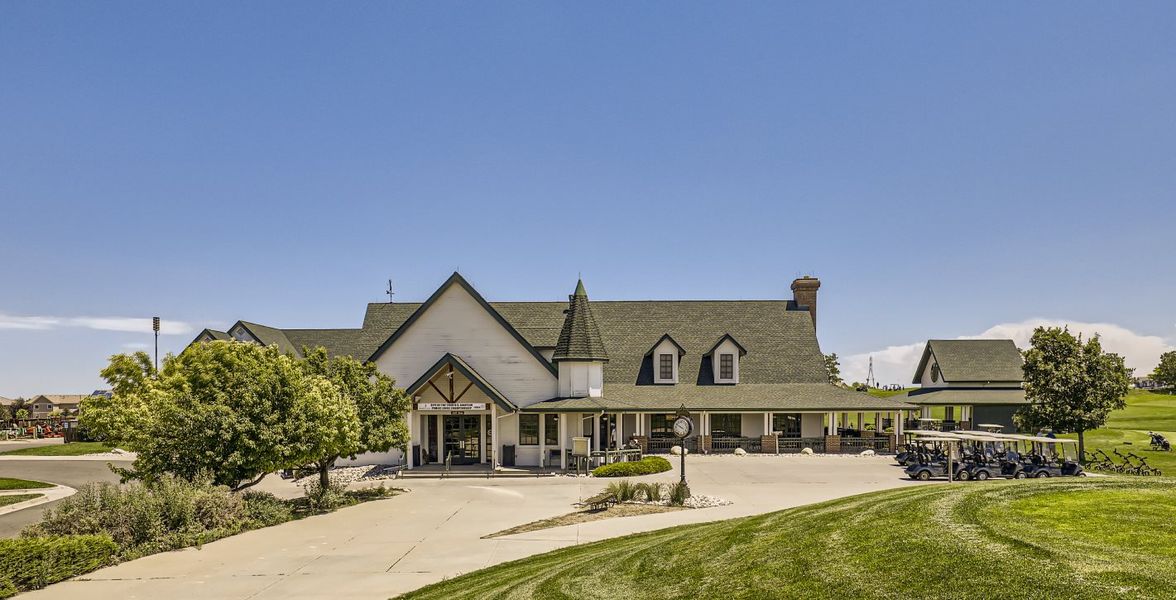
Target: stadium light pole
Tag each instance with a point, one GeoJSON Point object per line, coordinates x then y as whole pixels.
{"type": "Point", "coordinates": [155, 328]}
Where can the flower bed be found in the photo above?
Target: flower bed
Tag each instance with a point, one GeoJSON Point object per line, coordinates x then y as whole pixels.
{"type": "Point", "coordinates": [646, 466]}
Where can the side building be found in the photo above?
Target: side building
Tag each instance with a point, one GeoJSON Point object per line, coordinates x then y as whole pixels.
{"type": "Point", "coordinates": [976, 382]}
{"type": "Point", "coordinates": [511, 383]}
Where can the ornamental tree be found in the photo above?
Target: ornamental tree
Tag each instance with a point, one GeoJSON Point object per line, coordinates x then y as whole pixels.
{"type": "Point", "coordinates": [1072, 385]}
{"type": "Point", "coordinates": [228, 410]}
{"type": "Point", "coordinates": [378, 406]}
{"type": "Point", "coordinates": [1165, 372]}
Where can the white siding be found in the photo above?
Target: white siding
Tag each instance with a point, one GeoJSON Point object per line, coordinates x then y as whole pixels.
{"type": "Point", "coordinates": [457, 324]}
{"type": "Point", "coordinates": [925, 378]}
{"type": "Point", "coordinates": [578, 379]}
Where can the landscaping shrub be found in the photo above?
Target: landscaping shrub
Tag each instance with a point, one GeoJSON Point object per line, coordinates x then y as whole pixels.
{"type": "Point", "coordinates": [646, 466]}
{"type": "Point", "coordinates": [624, 490]}
{"type": "Point", "coordinates": [31, 563]}
{"type": "Point", "coordinates": [325, 498]}
{"type": "Point", "coordinates": [143, 518]}
{"type": "Point", "coordinates": [263, 509]}
{"type": "Point", "coordinates": [652, 491]}
{"type": "Point", "coordinates": [678, 493]}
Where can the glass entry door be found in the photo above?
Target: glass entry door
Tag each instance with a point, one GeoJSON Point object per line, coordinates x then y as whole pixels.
{"type": "Point", "coordinates": [461, 438]}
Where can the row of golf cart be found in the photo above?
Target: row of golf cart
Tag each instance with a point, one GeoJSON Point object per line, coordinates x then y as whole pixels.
{"type": "Point", "coordinates": [986, 454]}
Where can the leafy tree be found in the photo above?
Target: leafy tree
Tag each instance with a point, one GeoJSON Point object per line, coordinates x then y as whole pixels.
{"type": "Point", "coordinates": [372, 397]}
{"type": "Point", "coordinates": [22, 414]}
{"type": "Point", "coordinates": [230, 410]}
{"type": "Point", "coordinates": [1072, 385]}
{"type": "Point", "coordinates": [833, 368]}
{"type": "Point", "coordinates": [1165, 372]}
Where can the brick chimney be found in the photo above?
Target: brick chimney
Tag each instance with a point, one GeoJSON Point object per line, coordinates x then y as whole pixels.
{"type": "Point", "coordinates": [804, 294]}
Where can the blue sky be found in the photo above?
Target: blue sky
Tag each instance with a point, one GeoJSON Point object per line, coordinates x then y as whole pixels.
{"type": "Point", "coordinates": [944, 169]}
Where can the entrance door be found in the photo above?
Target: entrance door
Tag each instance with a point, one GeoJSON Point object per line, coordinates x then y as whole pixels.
{"type": "Point", "coordinates": [461, 438]}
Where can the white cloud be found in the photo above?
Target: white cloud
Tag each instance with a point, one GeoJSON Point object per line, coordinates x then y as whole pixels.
{"type": "Point", "coordinates": [136, 346]}
{"type": "Point", "coordinates": [128, 324]}
{"type": "Point", "coordinates": [896, 364]}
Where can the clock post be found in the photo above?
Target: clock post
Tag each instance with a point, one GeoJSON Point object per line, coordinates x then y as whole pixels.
{"type": "Point", "coordinates": [683, 427]}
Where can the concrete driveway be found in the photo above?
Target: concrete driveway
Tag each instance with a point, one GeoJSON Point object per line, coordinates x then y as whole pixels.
{"type": "Point", "coordinates": [383, 548]}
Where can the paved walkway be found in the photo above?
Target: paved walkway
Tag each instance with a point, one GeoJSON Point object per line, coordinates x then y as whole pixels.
{"type": "Point", "coordinates": [434, 532]}
{"type": "Point", "coordinates": [65, 471]}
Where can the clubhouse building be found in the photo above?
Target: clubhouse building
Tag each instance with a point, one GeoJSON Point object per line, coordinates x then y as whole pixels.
{"type": "Point", "coordinates": [976, 382]}
{"type": "Point", "coordinates": [512, 383]}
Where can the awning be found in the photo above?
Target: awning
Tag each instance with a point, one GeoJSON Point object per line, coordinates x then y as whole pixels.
{"type": "Point", "coordinates": [965, 396]}
{"type": "Point", "coordinates": [461, 366]}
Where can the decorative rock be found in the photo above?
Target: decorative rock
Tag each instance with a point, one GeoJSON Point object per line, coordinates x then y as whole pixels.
{"type": "Point", "coordinates": [678, 450]}
{"type": "Point", "coordinates": [867, 453]}
{"type": "Point", "coordinates": [807, 451]}
{"type": "Point", "coordinates": [740, 452]}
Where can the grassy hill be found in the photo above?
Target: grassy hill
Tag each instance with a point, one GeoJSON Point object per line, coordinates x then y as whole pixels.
{"type": "Point", "coordinates": [1127, 429]}
{"type": "Point", "coordinates": [1076, 538]}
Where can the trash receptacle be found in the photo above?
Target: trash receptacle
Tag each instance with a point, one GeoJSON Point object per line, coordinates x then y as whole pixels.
{"type": "Point", "coordinates": [508, 457]}
{"type": "Point", "coordinates": [416, 454]}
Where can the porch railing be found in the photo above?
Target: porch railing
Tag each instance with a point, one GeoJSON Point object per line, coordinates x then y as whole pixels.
{"type": "Point", "coordinates": [729, 444]}
{"type": "Point", "coordinates": [793, 444]}
{"type": "Point", "coordinates": [661, 445]}
{"type": "Point", "coordinates": [858, 444]}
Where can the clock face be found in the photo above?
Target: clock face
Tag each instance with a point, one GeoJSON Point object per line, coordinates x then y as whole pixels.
{"type": "Point", "coordinates": [682, 427]}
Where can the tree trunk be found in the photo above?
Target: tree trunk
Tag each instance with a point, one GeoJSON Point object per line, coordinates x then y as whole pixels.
{"type": "Point", "coordinates": [324, 475]}
{"type": "Point", "coordinates": [1081, 448]}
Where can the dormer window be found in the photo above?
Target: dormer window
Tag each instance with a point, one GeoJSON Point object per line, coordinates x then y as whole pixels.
{"type": "Point", "coordinates": [664, 358]}
{"type": "Point", "coordinates": [724, 359]}
{"type": "Point", "coordinates": [665, 367]}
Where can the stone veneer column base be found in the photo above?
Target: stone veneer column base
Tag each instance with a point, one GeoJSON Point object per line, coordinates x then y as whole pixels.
{"type": "Point", "coordinates": [769, 444]}
{"type": "Point", "coordinates": [832, 444]}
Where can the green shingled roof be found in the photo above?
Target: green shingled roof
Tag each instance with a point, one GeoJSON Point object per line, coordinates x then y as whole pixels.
{"type": "Point", "coordinates": [964, 361]}
{"type": "Point", "coordinates": [579, 338]}
{"type": "Point", "coordinates": [787, 397]}
{"type": "Point", "coordinates": [953, 396]}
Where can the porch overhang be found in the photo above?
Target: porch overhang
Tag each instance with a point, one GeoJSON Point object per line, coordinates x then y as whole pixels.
{"type": "Point", "coordinates": [799, 397]}
{"type": "Point", "coordinates": [966, 396]}
{"type": "Point", "coordinates": [451, 361]}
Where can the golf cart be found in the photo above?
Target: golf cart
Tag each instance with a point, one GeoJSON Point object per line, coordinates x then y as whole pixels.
{"type": "Point", "coordinates": [980, 455]}
{"type": "Point", "coordinates": [1159, 442]}
{"type": "Point", "coordinates": [1052, 457]}
{"type": "Point", "coordinates": [939, 462]}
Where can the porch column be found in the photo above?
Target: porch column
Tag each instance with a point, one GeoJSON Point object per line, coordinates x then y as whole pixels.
{"type": "Point", "coordinates": [494, 427]}
{"type": "Point", "coordinates": [596, 432]}
{"type": "Point", "coordinates": [542, 440]}
{"type": "Point", "coordinates": [563, 442]}
{"type": "Point", "coordinates": [898, 419]}
{"type": "Point", "coordinates": [412, 416]}
{"type": "Point", "coordinates": [861, 422]}
{"type": "Point", "coordinates": [482, 437]}
{"type": "Point", "coordinates": [878, 423]}
{"type": "Point", "coordinates": [767, 424]}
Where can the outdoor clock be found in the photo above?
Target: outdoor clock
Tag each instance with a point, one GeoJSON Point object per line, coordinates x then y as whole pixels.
{"type": "Point", "coordinates": [683, 426]}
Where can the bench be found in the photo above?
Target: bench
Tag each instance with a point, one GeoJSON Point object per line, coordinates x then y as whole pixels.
{"type": "Point", "coordinates": [600, 501]}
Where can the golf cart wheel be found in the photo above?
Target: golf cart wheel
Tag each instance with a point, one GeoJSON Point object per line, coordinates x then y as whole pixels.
{"type": "Point", "coordinates": [923, 475]}
{"type": "Point", "coordinates": [963, 476]}
{"type": "Point", "coordinates": [982, 475]}
{"type": "Point", "coordinates": [1020, 475]}
{"type": "Point", "coordinates": [1042, 474]}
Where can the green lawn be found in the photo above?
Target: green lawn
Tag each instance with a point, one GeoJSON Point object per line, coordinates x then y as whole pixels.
{"type": "Point", "coordinates": [1062, 538]}
{"type": "Point", "coordinates": [22, 484]}
{"type": "Point", "coordinates": [1127, 429]}
{"type": "Point", "coordinates": [74, 449]}
{"type": "Point", "coordinates": [6, 500]}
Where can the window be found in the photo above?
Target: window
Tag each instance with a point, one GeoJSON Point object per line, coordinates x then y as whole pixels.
{"type": "Point", "coordinates": [661, 426]}
{"type": "Point", "coordinates": [726, 425]}
{"type": "Point", "coordinates": [551, 430]}
{"type": "Point", "coordinates": [528, 430]}
{"type": "Point", "coordinates": [788, 424]}
{"type": "Point", "coordinates": [726, 366]}
{"type": "Point", "coordinates": [666, 367]}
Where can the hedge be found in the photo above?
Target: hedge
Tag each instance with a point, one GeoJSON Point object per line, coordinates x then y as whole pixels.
{"type": "Point", "coordinates": [646, 466]}
{"type": "Point", "coordinates": [32, 563]}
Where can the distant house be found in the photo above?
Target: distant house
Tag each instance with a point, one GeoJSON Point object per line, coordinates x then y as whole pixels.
{"type": "Point", "coordinates": [981, 378]}
{"type": "Point", "coordinates": [44, 404]}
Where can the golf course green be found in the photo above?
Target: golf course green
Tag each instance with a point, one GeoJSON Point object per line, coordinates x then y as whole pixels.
{"type": "Point", "coordinates": [1111, 537]}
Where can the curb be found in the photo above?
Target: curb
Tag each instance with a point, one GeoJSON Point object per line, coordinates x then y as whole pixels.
{"type": "Point", "coordinates": [57, 492]}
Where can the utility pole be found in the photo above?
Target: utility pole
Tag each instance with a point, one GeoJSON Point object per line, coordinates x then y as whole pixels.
{"type": "Point", "coordinates": [155, 328]}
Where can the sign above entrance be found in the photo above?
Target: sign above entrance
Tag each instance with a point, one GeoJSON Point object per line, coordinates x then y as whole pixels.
{"type": "Point", "coordinates": [448, 406]}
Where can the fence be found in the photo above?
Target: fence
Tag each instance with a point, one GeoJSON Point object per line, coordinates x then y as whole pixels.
{"type": "Point", "coordinates": [729, 444]}
{"type": "Point", "coordinates": [857, 444]}
{"type": "Point", "coordinates": [791, 445]}
{"type": "Point", "coordinates": [662, 445]}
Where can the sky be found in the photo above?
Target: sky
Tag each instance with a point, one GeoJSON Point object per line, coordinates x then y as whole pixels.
{"type": "Point", "coordinates": [946, 169]}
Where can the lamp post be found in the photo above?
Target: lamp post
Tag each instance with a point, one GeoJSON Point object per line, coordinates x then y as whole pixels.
{"type": "Point", "coordinates": [155, 328]}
